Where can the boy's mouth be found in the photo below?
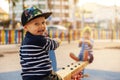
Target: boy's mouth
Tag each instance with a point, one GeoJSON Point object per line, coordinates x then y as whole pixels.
{"type": "Point", "coordinates": [41, 30]}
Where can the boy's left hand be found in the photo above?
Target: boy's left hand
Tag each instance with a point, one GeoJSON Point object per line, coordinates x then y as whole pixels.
{"type": "Point", "coordinates": [88, 42]}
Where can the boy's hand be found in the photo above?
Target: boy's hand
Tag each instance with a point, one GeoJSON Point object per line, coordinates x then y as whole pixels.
{"type": "Point", "coordinates": [58, 40]}
{"type": "Point", "coordinates": [45, 33]}
{"type": "Point", "coordinates": [88, 42]}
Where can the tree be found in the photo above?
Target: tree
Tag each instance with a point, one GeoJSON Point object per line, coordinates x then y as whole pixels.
{"type": "Point", "coordinates": [49, 4]}
{"type": "Point", "coordinates": [13, 2]}
{"type": "Point", "coordinates": [23, 4]}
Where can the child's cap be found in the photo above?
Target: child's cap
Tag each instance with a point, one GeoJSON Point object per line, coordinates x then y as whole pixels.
{"type": "Point", "coordinates": [32, 13]}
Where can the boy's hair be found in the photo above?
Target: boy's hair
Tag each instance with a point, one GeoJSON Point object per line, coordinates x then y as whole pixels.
{"type": "Point", "coordinates": [87, 31]}
{"type": "Point", "coordinates": [32, 13]}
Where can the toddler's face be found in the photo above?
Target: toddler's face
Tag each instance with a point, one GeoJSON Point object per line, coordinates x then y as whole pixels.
{"type": "Point", "coordinates": [36, 26]}
{"type": "Point", "coordinates": [86, 35]}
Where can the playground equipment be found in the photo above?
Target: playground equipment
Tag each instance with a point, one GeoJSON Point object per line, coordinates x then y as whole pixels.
{"type": "Point", "coordinates": [74, 71]}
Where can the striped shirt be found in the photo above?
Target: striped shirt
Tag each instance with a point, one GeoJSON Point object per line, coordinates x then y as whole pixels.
{"type": "Point", "coordinates": [34, 55]}
{"type": "Point", "coordinates": [85, 46]}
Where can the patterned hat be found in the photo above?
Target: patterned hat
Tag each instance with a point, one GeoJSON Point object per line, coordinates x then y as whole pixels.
{"type": "Point", "coordinates": [32, 13]}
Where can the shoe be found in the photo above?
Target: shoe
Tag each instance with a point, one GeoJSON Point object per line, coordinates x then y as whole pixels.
{"type": "Point", "coordinates": [74, 57]}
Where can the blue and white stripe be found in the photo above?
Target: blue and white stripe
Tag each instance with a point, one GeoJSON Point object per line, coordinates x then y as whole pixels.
{"type": "Point", "coordinates": [35, 59]}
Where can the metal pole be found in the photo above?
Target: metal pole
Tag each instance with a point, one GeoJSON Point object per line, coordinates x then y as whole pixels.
{"type": "Point", "coordinates": [22, 31]}
{"type": "Point", "coordinates": [61, 13]}
{"type": "Point", "coordinates": [23, 5]}
{"type": "Point", "coordinates": [82, 22]}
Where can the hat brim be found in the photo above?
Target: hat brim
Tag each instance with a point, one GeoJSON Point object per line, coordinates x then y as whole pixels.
{"type": "Point", "coordinates": [46, 15]}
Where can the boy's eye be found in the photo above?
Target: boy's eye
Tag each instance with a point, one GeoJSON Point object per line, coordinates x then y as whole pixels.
{"type": "Point", "coordinates": [37, 24]}
{"type": "Point", "coordinates": [44, 22]}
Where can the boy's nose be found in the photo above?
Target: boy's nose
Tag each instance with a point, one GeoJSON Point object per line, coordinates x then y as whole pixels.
{"type": "Point", "coordinates": [43, 27]}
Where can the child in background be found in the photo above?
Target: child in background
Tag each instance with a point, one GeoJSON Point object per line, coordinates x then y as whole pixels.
{"type": "Point", "coordinates": [86, 44]}
{"type": "Point", "coordinates": [35, 61]}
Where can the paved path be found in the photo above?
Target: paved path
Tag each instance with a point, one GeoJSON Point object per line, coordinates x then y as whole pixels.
{"type": "Point", "coordinates": [106, 65]}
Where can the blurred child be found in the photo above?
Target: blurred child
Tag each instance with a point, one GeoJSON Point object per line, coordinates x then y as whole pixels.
{"type": "Point", "coordinates": [35, 61]}
{"type": "Point", "coordinates": [86, 44]}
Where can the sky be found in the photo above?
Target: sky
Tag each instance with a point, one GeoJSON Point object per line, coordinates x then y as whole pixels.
{"type": "Point", "coordinates": [5, 6]}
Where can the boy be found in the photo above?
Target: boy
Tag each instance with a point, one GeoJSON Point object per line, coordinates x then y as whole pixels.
{"type": "Point", "coordinates": [35, 61]}
{"type": "Point", "coordinates": [86, 44]}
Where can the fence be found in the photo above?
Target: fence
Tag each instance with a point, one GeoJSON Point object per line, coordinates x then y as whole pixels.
{"type": "Point", "coordinates": [11, 36]}
{"type": "Point", "coordinates": [96, 34]}
{"type": "Point", "coordinates": [16, 36]}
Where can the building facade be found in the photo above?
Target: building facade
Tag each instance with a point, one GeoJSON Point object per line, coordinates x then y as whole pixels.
{"type": "Point", "coordinates": [3, 15]}
{"type": "Point", "coordinates": [63, 10]}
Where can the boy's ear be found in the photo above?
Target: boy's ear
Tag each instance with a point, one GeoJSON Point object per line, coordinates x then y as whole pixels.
{"type": "Point", "coordinates": [25, 28]}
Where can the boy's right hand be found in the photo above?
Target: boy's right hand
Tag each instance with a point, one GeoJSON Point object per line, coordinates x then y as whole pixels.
{"type": "Point", "coordinates": [58, 40]}
{"type": "Point", "coordinates": [88, 42]}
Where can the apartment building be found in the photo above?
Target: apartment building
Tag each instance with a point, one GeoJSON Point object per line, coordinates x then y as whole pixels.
{"type": "Point", "coordinates": [3, 15]}
{"type": "Point", "coordinates": [62, 9]}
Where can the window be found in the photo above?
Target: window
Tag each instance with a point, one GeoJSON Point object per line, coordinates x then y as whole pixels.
{"type": "Point", "coordinates": [66, 14]}
{"type": "Point", "coordinates": [65, 0]}
{"type": "Point", "coordinates": [66, 7]}
{"type": "Point", "coordinates": [56, 14]}
{"type": "Point", "coordinates": [41, 6]}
